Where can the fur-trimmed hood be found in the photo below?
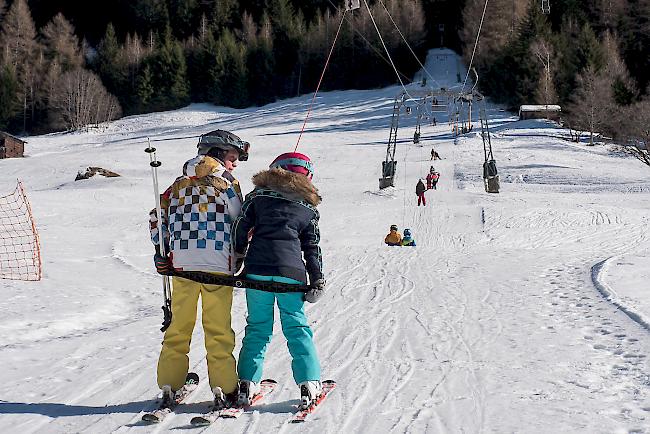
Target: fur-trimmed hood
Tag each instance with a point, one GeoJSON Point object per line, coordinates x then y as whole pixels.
{"type": "Point", "coordinates": [291, 185]}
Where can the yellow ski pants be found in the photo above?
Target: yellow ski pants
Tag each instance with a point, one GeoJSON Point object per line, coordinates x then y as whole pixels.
{"type": "Point", "coordinates": [216, 301]}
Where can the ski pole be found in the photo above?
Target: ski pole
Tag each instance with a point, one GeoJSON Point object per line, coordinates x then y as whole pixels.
{"type": "Point", "coordinates": [167, 293]}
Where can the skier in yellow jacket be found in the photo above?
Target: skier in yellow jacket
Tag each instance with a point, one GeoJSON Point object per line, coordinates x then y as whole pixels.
{"type": "Point", "coordinates": [394, 238]}
{"type": "Point", "coordinates": [197, 211]}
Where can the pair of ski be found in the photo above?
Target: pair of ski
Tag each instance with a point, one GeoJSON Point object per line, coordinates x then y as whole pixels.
{"type": "Point", "coordinates": [266, 387]}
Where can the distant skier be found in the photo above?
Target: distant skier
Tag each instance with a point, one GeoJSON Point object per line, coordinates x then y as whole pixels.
{"type": "Point", "coordinates": [408, 240]}
{"type": "Point", "coordinates": [197, 211]}
{"type": "Point", "coordinates": [434, 155]}
{"type": "Point", "coordinates": [281, 214]}
{"type": "Point", "coordinates": [419, 191]}
{"type": "Point", "coordinates": [432, 179]}
{"type": "Point", "coordinates": [393, 238]}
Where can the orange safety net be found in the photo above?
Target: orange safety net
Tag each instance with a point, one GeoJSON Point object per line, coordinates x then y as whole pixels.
{"type": "Point", "coordinates": [20, 251]}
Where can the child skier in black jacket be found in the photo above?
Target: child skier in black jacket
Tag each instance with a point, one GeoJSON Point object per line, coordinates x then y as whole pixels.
{"type": "Point", "coordinates": [282, 217]}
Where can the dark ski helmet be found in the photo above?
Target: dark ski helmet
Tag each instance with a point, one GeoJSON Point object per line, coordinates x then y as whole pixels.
{"type": "Point", "coordinates": [393, 227]}
{"type": "Point", "coordinates": [407, 232]}
{"type": "Point", "coordinates": [222, 139]}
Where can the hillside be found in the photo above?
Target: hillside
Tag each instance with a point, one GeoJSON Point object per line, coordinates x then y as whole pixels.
{"type": "Point", "coordinates": [495, 322]}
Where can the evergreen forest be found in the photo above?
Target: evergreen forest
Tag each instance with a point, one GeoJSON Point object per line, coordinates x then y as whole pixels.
{"type": "Point", "coordinates": [68, 64]}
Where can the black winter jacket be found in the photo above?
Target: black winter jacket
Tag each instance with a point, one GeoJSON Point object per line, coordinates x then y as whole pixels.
{"type": "Point", "coordinates": [282, 214]}
{"type": "Point", "coordinates": [419, 189]}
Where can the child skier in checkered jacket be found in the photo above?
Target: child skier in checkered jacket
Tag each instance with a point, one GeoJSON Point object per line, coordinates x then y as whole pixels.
{"type": "Point", "coordinates": [198, 210]}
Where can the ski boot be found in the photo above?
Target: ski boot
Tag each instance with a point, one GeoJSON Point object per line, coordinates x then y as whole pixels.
{"type": "Point", "coordinates": [247, 390]}
{"type": "Point", "coordinates": [309, 392]}
{"type": "Point", "coordinates": [223, 400]}
{"type": "Point", "coordinates": [168, 397]}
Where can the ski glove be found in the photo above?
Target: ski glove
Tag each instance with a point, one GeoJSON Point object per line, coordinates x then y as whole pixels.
{"type": "Point", "coordinates": [163, 264]}
{"type": "Point", "coordinates": [316, 291]}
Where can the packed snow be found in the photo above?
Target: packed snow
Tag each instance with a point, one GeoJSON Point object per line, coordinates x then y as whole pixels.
{"type": "Point", "coordinates": [522, 311]}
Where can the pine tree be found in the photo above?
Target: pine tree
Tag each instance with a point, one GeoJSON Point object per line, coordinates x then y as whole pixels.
{"type": "Point", "coordinates": [151, 14]}
{"type": "Point", "coordinates": [10, 106]}
{"type": "Point", "coordinates": [18, 36]}
{"type": "Point", "coordinates": [61, 45]}
{"type": "Point", "coordinates": [232, 83]}
{"type": "Point", "coordinates": [144, 89]}
{"type": "Point", "coordinates": [588, 50]}
{"type": "Point", "coordinates": [225, 15]}
{"type": "Point", "coordinates": [21, 50]}
{"type": "Point", "coordinates": [109, 63]}
{"type": "Point", "coordinates": [169, 74]}
{"type": "Point", "coordinates": [285, 46]}
{"type": "Point", "coordinates": [634, 32]}
{"type": "Point", "coordinates": [201, 61]}
{"type": "Point", "coordinates": [513, 76]}
{"type": "Point", "coordinates": [261, 65]}
{"type": "Point", "coordinates": [184, 17]}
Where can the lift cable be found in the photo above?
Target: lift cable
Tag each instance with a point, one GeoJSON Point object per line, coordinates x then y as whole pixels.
{"type": "Point", "coordinates": [320, 81]}
{"type": "Point", "coordinates": [471, 61]}
{"type": "Point", "coordinates": [379, 53]}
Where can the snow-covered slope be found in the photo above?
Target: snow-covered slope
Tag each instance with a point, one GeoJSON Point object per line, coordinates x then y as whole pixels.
{"type": "Point", "coordinates": [494, 323]}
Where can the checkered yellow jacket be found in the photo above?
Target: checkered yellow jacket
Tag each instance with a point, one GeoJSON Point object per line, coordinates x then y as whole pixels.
{"type": "Point", "coordinates": [198, 210]}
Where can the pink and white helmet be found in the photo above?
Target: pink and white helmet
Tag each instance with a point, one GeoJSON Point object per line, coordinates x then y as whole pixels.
{"type": "Point", "coordinates": [294, 162]}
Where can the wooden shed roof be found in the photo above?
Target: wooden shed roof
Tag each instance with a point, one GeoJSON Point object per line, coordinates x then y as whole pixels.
{"type": "Point", "coordinates": [3, 134]}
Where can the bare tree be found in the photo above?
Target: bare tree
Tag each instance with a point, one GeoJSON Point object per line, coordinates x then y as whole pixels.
{"type": "Point", "coordinates": [544, 53]}
{"type": "Point", "coordinates": [203, 27]}
{"type": "Point", "coordinates": [134, 50]}
{"type": "Point", "coordinates": [610, 11]}
{"type": "Point", "coordinates": [620, 89]}
{"type": "Point", "coordinates": [637, 135]}
{"type": "Point", "coordinates": [81, 99]}
{"type": "Point", "coordinates": [411, 19]}
{"type": "Point", "coordinates": [589, 105]}
{"type": "Point", "coordinates": [499, 26]}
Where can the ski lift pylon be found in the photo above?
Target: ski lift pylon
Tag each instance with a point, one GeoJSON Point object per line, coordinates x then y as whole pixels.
{"type": "Point", "coordinates": [490, 173]}
{"type": "Point", "coordinates": [351, 5]}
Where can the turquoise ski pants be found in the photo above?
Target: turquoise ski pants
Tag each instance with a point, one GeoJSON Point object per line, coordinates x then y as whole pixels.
{"type": "Point", "coordinates": [304, 364]}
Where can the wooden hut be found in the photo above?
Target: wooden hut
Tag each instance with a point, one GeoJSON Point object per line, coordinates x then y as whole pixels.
{"type": "Point", "coordinates": [541, 111]}
{"type": "Point", "coordinates": [11, 146]}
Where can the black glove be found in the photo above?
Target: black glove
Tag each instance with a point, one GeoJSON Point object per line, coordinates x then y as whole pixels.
{"type": "Point", "coordinates": [163, 264]}
{"type": "Point", "coordinates": [316, 291]}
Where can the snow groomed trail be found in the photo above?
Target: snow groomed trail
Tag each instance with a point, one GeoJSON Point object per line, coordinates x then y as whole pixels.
{"type": "Point", "coordinates": [492, 324]}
